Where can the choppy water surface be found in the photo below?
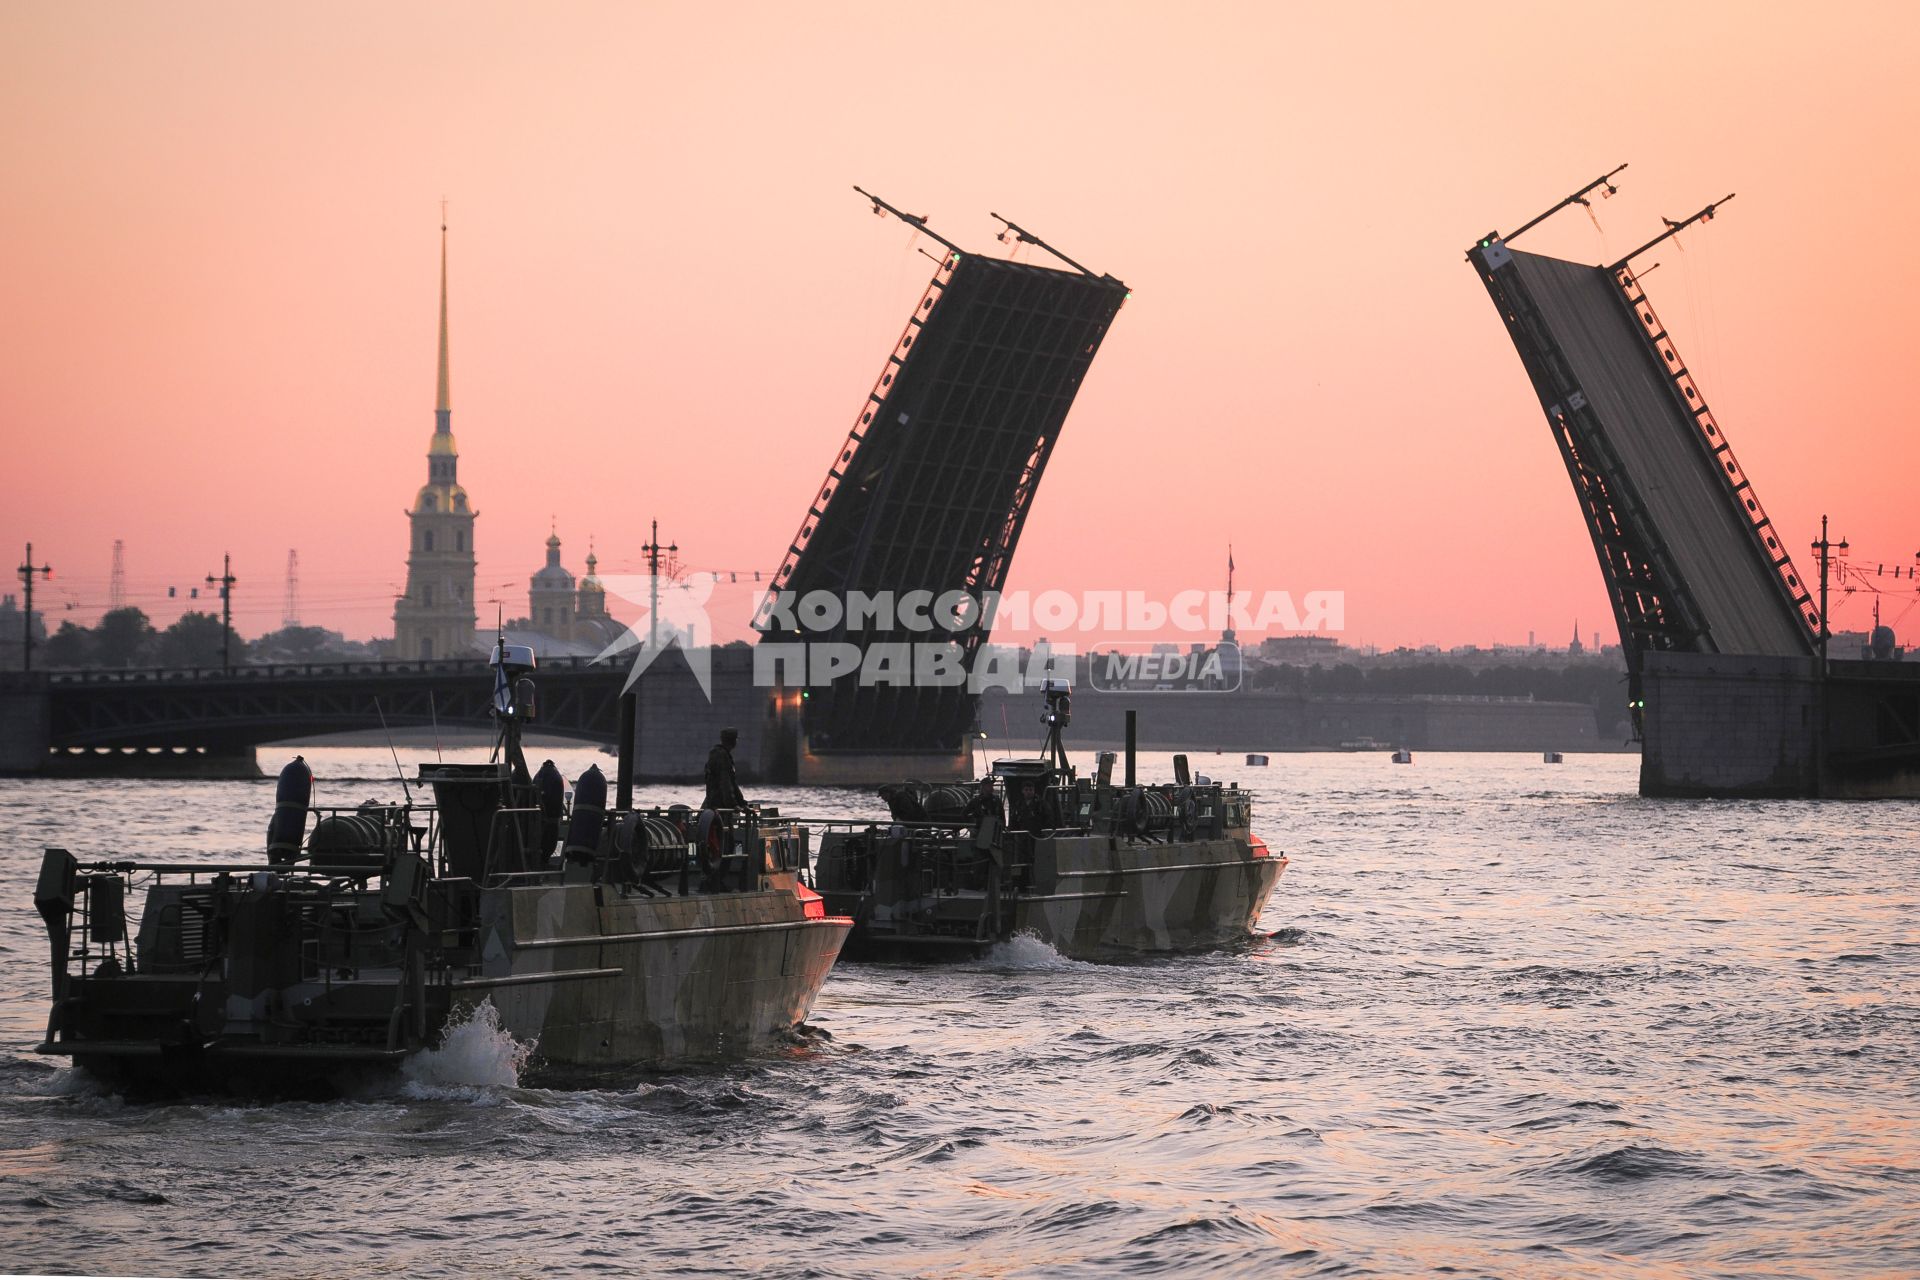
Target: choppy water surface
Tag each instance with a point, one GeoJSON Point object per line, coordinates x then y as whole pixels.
{"type": "Point", "coordinates": [1513, 1020]}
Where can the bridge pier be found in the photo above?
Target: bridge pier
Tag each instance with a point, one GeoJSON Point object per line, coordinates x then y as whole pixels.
{"type": "Point", "coordinates": [1730, 725]}
{"type": "Point", "coordinates": [1759, 726]}
{"type": "Point", "coordinates": [677, 724]}
{"type": "Point", "coordinates": [25, 729]}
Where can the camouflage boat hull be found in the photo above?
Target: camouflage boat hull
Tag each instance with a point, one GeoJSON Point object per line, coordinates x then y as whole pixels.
{"type": "Point", "coordinates": [1097, 871]}
{"type": "Point", "coordinates": [599, 983]}
{"type": "Point", "coordinates": [1089, 897]}
{"type": "Point", "coordinates": [585, 975]}
{"type": "Point", "coordinates": [1104, 903]}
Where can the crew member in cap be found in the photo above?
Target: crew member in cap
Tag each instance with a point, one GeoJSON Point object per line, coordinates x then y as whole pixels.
{"type": "Point", "coordinates": [723, 785]}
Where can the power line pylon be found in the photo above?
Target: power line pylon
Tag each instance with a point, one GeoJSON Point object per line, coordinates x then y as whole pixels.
{"type": "Point", "coordinates": [290, 606]}
{"type": "Point", "coordinates": [117, 584]}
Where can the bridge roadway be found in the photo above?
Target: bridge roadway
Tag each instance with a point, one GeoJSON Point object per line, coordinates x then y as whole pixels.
{"type": "Point", "coordinates": [219, 711]}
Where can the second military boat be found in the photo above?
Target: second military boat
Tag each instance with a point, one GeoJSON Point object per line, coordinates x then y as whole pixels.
{"type": "Point", "coordinates": [1094, 869]}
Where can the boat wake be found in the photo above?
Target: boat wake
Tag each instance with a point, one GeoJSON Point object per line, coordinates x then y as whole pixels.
{"type": "Point", "coordinates": [73, 1082]}
{"type": "Point", "coordinates": [475, 1053]}
{"type": "Point", "coordinates": [1027, 952]}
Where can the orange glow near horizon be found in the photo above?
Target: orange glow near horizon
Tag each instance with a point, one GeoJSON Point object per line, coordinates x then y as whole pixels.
{"type": "Point", "coordinates": [666, 301]}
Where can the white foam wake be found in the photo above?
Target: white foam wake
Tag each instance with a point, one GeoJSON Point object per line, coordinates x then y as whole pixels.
{"type": "Point", "coordinates": [474, 1052]}
{"type": "Point", "coordinates": [1028, 951]}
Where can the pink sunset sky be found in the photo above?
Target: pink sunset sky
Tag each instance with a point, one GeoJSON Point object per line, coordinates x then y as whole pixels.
{"type": "Point", "coordinates": [220, 229]}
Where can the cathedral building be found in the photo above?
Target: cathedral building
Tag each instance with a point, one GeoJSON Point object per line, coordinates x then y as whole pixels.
{"type": "Point", "coordinates": [565, 618]}
{"type": "Point", "coordinates": [435, 618]}
{"type": "Point", "coordinates": [550, 602]}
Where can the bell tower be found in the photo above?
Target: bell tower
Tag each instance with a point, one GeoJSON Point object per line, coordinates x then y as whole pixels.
{"type": "Point", "coordinates": [435, 618]}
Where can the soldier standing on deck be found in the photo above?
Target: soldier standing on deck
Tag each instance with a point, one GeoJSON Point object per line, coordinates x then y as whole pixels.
{"type": "Point", "coordinates": [986, 804]}
{"type": "Point", "coordinates": [723, 786]}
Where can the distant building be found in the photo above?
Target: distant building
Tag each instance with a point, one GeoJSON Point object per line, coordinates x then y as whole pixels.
{"type": "Point", "coordinates": [565, 618]}
{"type": "Point", "coordinates": [435, 618]}
{"type": "Point", "coordinates": [1304, 649]}
{"type": "Point", "coordinates": [1877, 645]}
{"type": "Point", "coordinates": [1574, 647]}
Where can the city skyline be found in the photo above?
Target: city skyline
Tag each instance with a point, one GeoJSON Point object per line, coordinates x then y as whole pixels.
{"type": "Point", "coordinates": [228, 330]}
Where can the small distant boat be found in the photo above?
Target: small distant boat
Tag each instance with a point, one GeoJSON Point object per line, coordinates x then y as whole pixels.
{"type": "Point", "coordinates": [1255, 758]}
{"type": "Point", "coordinates": [1551, 757]}
{"type": "Point", "coordinates": [1403, 756]}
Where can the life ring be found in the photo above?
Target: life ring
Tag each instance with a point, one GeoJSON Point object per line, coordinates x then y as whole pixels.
{"type": "Point", "coordinates": [710, 840]}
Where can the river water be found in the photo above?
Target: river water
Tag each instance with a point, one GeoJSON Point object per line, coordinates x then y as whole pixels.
{"type": "Point", "coordinates": [1505, 1018]}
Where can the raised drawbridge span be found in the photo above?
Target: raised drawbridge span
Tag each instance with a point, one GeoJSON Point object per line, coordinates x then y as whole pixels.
{"type": "Point", "coordinates": [1692, 561]}
{"type": "Point", "coordinates": [930, 489]}
{"type": "Point", "coordinates": [1731, 686]}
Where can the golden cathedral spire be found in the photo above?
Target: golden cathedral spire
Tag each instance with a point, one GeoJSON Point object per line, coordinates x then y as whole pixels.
{"type": "Point", "coordinates": [435, 617]}
{"type": "Point", "coordinates": [443, 405]}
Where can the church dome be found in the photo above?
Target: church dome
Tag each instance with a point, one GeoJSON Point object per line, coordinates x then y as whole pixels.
{"type": "Point", "coordinates": [592, 581]}
{"type": "Point", "coordinates": [552, 576]}
{"type": "Point", "coordinates": [593, 596]}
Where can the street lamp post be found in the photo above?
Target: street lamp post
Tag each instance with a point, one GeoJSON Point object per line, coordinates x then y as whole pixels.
{"type": "Point", "coordinates": [1825, 549]}
{"type": "Point", "coordinates": [630, 700]}
{"type": "Point", "coordinates": [28, 572]}
{"type": "Point", "coordinates": [225, 582]}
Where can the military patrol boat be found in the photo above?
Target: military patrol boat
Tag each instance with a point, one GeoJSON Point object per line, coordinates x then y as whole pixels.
{"type": "Point", "coordinates": [636, 936]}
{"type": "Point", "coordinates": [1095, 870]}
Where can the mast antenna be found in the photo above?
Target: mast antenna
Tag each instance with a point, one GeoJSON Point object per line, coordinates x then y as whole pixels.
{"type": "Point", "coordinates": [405, 790]}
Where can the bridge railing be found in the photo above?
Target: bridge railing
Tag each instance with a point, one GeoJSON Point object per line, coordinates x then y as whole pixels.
{"type": "Point", "coordinates": [297, 670]}
{"type": "Point", "coordinates": [1739, 489]}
